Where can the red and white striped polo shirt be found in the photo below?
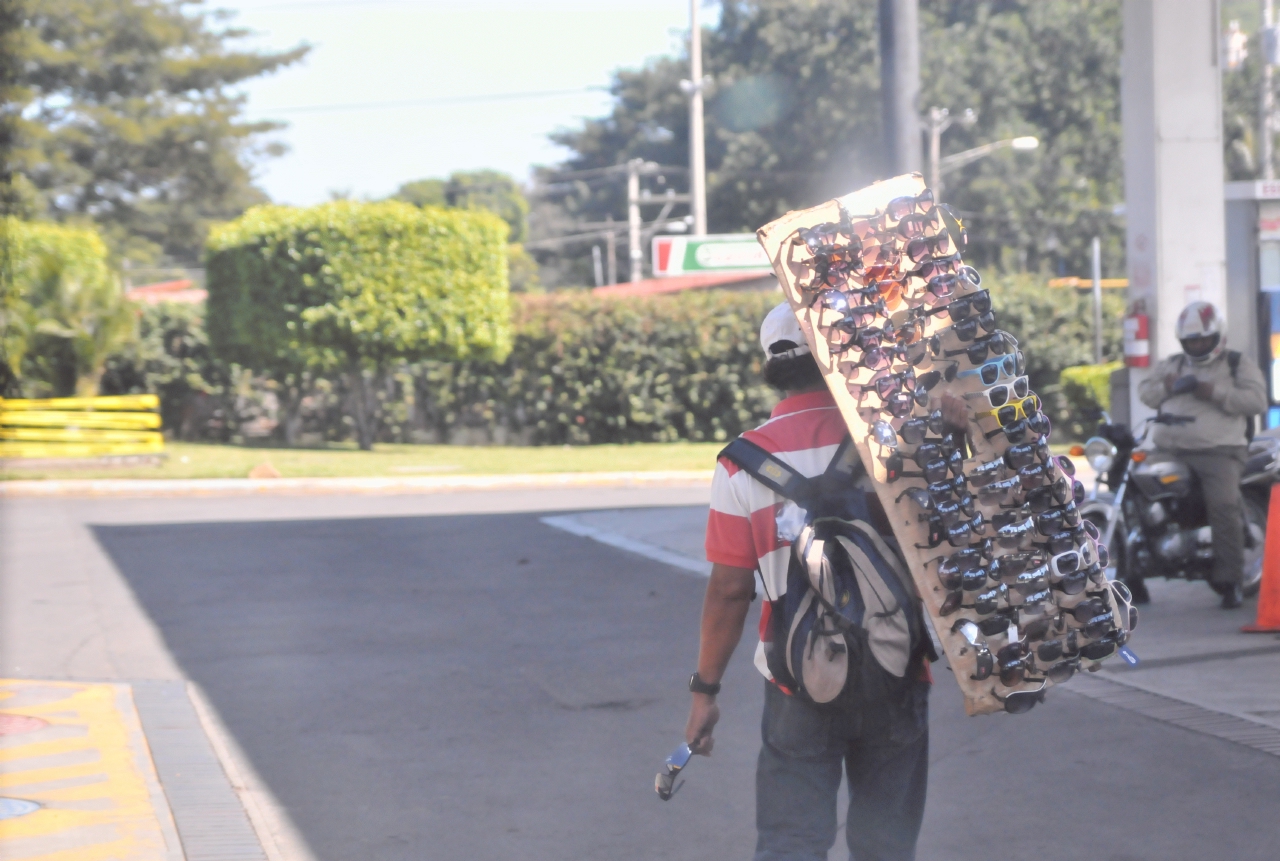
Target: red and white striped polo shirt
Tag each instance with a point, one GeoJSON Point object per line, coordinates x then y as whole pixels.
{"type": "Point", "coordinates": [804, 432]}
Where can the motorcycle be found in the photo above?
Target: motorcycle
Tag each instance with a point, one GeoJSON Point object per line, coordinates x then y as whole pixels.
{"type": "Point", "coordinates": [1152, 516]}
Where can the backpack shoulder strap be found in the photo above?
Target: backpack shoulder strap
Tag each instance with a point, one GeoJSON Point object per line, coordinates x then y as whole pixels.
{"type": "Point", "coordinates": [847, 463]}
{"type": "Point", "coordinates": [1233, 362]}
{"type": "Point", "coordinates": [768, 470]}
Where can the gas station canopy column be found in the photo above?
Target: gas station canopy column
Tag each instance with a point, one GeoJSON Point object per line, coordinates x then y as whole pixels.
{"type": "Point", "coordinates": [1171, 107]}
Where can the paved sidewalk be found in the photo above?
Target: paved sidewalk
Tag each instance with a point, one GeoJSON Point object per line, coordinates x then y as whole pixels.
{"type": "Point", "coordinates": [76, 777]}
{"type": "Point", "coordinates": [311, 486]}
{"type": "Point", "coordinates": [1191, 651]}
{"type": "Point", "coordinates": [107, 751]}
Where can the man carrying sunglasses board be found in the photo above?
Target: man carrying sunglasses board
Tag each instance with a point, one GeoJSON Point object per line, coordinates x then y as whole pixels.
{"type": "Point", "coordinates": [1219, 390]}
{"type": "Point", "coordinates": [883, 746]}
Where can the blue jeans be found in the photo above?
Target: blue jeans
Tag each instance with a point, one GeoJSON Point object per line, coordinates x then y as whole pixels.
{"type": "Point", "coordinates": [882, 745]}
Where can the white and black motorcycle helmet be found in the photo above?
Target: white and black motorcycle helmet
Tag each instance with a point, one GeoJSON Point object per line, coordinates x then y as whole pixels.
{"type": "Point", "coordinates": [1199, 330]}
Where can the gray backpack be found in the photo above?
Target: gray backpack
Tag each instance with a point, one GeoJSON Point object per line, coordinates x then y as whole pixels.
{"type": "Point", "coordinates": [850, 621]}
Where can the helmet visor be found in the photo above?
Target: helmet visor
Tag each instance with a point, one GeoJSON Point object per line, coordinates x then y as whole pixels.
{"type": "Point", "coordinates": [1200, 346]}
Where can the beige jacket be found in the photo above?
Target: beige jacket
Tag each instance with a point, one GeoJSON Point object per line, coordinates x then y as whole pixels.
{"type": "Point", "coordinates": [1218, 421]}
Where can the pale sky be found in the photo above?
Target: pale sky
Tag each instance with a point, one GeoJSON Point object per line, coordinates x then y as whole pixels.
{"type": "Point", "coordinates": [367, 52]}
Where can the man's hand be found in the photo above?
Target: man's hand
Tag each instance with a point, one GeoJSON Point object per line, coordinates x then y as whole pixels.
{"type": "Point", "coordinates": [1185, 385]}
{"type": "Point", "coordinates": [1169, 380]}
{"type": "Point", "coordinates": [1204, 391]}
{"type": "Point", "coordinates": [704, 714]}
{"type": "Point", "coordinates": [955, 413]}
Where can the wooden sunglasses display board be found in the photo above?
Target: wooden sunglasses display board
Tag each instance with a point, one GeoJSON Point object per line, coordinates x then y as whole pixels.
{"type": "Point", "coordinates": [846, 375]}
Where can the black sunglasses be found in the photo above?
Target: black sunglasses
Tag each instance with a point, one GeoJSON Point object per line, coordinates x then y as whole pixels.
{"type": "Point", "coordinates": [935, 267]}
{"type": "Point", "coordinates": [952, 578]}
{"type": "Point", "coordinates": [1021, 702]}
{"type": "Point", "coordinates": [1037, 424]}
{"type": "Point", "coordinates": [1011, 565]}
{"type": "Point", "coordinates": [900, 207]}
{"type": "Point", "coordinates": [921, 248]}
{"type": "Point", "coordinates": [1060, 647]}
{"type": "Point", "coordinates": [969, 559]}
{"type": "Point", "coordinates": [935, 470]}
{"type": "Point", "coordinates": [956, 534]}
{"type": "Point", "coordinates": [999, 342]}
{"type": "Point", "coordinates": [914, 430]}
{"type": "Point", "coordinates": [962, 308]}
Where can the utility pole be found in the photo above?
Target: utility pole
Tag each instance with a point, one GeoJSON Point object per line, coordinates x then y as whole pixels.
{"type": "Point", "coordinates": [900, 83]}
{"type": "Point", "coordinates": [697, 137]}
{"type": "Point", "coordinates": [939, 121]}
{"type": "Point", "coordinates": [611, 252]}
{"type": "Point", "coordinates": [1266, 101]}
{"type": "Point", "coordinates": [633, 218]}
{"type": "Point", "coordinates": [597, 265]}
{"type": "Point", "coordinates": [1097, 301]}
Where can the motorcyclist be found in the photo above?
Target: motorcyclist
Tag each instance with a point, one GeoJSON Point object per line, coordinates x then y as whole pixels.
{"type": "Point", "coordinates": [1201, 383]}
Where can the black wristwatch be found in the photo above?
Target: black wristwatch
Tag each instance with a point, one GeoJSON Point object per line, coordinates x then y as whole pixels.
{"type": "Point", "coordinates": [698, 686]}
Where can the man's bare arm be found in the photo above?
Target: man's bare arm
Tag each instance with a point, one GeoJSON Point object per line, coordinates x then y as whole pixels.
{"type": "Point", "coordinates": [724, 613]}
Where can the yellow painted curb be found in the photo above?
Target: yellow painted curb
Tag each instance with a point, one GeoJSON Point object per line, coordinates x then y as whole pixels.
{"type": "Point", "coordinates": [76, 775]}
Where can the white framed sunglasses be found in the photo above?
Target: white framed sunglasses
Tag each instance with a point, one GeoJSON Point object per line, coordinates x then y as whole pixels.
{"type": "Point", "coordinates": [999, 395]}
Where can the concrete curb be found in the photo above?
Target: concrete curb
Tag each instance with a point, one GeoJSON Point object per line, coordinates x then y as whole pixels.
{"type": "Point", "coordinates": [110, 487]}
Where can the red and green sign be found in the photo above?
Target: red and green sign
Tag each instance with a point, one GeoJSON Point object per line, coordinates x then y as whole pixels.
{"type": "Point", "coordinates": [729, 252]}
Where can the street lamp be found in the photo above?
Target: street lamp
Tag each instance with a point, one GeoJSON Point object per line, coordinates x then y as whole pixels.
{"type": "Point", "coordinates": [939, 121]}
{"type": "Point", "coordinates": [949, 163]}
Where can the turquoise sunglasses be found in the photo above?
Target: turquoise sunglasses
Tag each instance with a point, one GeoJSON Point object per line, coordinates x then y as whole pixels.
{"type": "Point", "coordinates": [1004, 368]}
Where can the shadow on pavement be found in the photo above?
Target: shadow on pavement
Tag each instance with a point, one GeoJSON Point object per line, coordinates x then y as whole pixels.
{"type": "Point", "coordinates": [490, 687]}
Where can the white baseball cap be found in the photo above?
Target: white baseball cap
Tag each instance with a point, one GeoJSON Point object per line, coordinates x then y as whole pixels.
{"type": "Point", "coordinates": [780, 324]}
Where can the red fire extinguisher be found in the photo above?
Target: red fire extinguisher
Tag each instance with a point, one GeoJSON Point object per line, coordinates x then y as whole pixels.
{"type": "Point", "coordinates": [1137, 344]}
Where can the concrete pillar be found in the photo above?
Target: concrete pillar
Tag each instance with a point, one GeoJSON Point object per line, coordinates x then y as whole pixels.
{"type": "Point", "coordinates": [900, 84]}
{"type": "Point", "coordinates": [1171, 107]}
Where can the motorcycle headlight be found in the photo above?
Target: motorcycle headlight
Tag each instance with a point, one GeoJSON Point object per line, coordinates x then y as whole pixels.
{"type": "Point", "coordinates": [1100, 453]}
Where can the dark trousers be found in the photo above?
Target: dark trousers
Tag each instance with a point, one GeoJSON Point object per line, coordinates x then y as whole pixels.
{"type": "Point", "coordinates": [883, 748]}
{"type": "Point", "coordinates": [1219, 471]}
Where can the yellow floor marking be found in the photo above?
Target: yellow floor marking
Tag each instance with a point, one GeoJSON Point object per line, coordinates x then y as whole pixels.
{"type": "Point", "coordinates": [111, 818]}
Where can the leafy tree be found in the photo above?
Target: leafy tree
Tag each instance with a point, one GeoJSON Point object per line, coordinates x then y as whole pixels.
{"type": "Point", "coordinates": [355, 287]}
{"type": "Point", "coordinates": [1030, 68]}
{"type": "Point", "coordinates": [70, 313]}
{"type": "Point", "coordinates": [492, 191]}
{"type": "Point", "coordinates": [128, 116]}
{"type": "Point", "coordinates": [423, 192]}
{"type": "Point", "coordinates": [794, 119]}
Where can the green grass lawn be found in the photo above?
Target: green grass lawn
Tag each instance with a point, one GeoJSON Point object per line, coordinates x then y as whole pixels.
{"type": "Point", "coordinates": [192, 460]}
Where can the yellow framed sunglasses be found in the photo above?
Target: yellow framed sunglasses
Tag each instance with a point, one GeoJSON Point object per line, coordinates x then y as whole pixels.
{"type": "Point", "coordinates": [1011, 412]}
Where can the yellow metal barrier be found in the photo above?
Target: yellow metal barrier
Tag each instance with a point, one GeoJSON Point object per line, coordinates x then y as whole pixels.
{"type": "Point", "coordinates": [67, 419]}
{"type": "Point", "coordinates": [106, 402]}
{"type": "Point", "coordinates": [80, 427]}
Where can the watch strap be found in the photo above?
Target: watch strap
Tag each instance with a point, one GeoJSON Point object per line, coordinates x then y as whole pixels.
{"type": "Point", "coordinates": [698, 686]}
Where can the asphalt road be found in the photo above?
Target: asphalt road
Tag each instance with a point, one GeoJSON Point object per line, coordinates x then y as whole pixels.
{"type": "Point", "coordinates": [485, 686]}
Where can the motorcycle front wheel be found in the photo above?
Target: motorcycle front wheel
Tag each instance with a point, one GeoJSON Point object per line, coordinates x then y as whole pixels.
{"type": "Point", "coordinates": [1255, 519]}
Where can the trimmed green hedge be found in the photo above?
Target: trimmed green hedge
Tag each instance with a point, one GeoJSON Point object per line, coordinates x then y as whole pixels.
{"type": "Point", "coordinates": [346, 284]}
{"type": "Point", "coordinates": [353, 288]}
{"type": "Point", "coordinates": [1087, 391]}
{"type": "Point", "coordinates": [590, 370]}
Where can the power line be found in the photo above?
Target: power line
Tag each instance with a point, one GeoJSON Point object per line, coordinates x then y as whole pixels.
{"type": "Point", "coordinates": [324, 4]}
{"type": "Point", "coordinates": [447, 100]}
